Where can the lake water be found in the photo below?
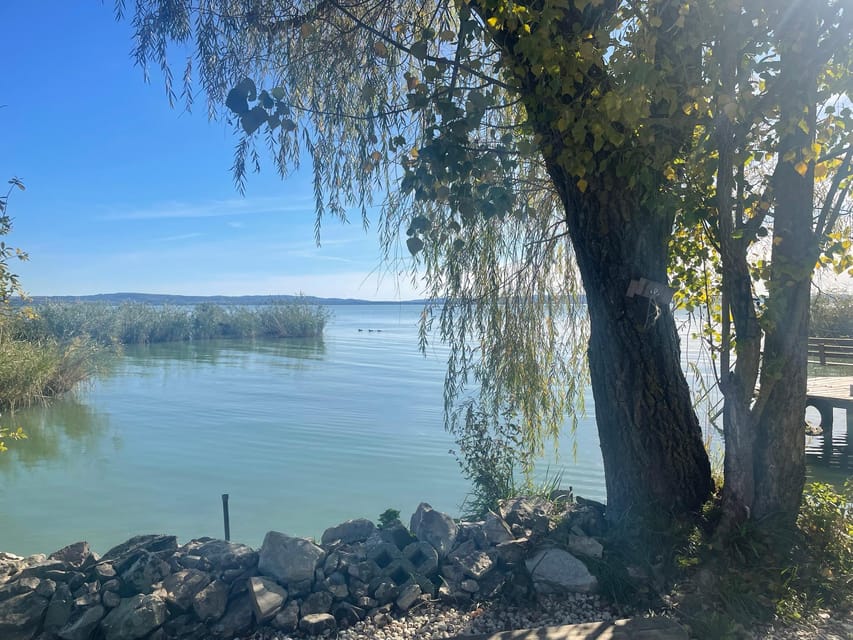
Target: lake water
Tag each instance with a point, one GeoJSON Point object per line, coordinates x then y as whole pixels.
{"type": "Point", "coordinates": [301, 434]}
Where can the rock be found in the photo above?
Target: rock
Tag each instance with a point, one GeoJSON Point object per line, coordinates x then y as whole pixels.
{"type": "Point", "coordinates": [408, 596]}
{"type": "Point", "coordinates": [476, 564]}
{"type": "Point", "coordinates": [82, 628]}
{"type": "Point", "coordinates": [527, 513]}
{"type": "Point", "coordinates": [46, 588]}
{"type": "Point", "coordinates": [126, 553]}
{"type": "Point", "coordinates": [42, 569]}
{"type": "Point", "coordinates": [588, 516]}
{"type": "Point", "coordinates": [288, 559]}
{"type": "Point", "coordinates": [469, 585]}
{"type": "Point", "coordinates": [422, 556]}
{"type": "Point", "coordinates": [434, 527]}
{"type": "Point", "coordinates": [267, 598]}
{"type": "Point", "coordinates": [317, 623]}
{"type": "Point", "coordinates": [336, 584]}
{"type": "Point", "coordinates": [288, 618]}
{"type": "Point", "coordinates": [10, 564]}
{"type": "Point", "coordinates": [396, 533]}
{"type": "Point", "coordinates": [110, 599]}
{"type": "Point", "coordinates": [558, 571]}
{"type": "Point", "coordinates": [143, 573]}
{"type": "Point", "coordinates": [318, 602]}
{"type": "Point", "coordinates": [59, 609]}
{"type": "Point", "coordinates": [496, 530]}
{"type": "Point", "coordinates": [75, 555]}
{"type": "Point", "coordinates": [17, 587]}
{"type": "Point", "coordinates": [513, 551]}
{"type": "Point", "coordinates": [584, 546]}
{"type": "Point", "coordinates": [237, 619]}
{"type": "Point", "coordinates": [185, 627]}
{"type": "Point", "coordinates": [347, 614]}
{"type": "Point", "coordinates": [209, 604]}
{"type": "Point", "coordinates": [181, 587]}
{"type": "Point", "coordinates": [349, 532]}
{"type": "Point", "coordinates": [221, 555]}
{"type": "Point", "coordinates": [105, 571]}
{"type": "Point", "coordinates": [386, 591]}
{"type": "Point", "coordinates": [134, 617]}
{"type": "Point", "coordinates": [20, 616]}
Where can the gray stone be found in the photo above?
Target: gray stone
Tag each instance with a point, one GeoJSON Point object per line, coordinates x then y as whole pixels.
{"type": "Point", "coordinates": [558, 571]}
{"type": "Point", "coordinates": [434, 527]}
{"type": "Point", "coordinates": [126, 553]}
{"type": "Point", "coordinates": [20, 616]}
{"type": "Point", "coordinates": [59, 609]}
{"type": "Point", "coordinates": [527, 513]}
{"type": "Point", "coordinates": [349, 532]}
{"type": "Point", "coordinates": [422, 556]}
{"type": "Point", "coordinates": [513, 551]}
{"type": "Point", "coordinates": [317, 623]}
{"type": "Point", "coordinates": [76, 554]}
{"type": "Point", "coordinates": [222, 555]}
{"type": "Point", "coordinates": [181, 587]}
{"type": "Point", "coordinates": [336, 584]}
{"type": "Point", "coordinates": [408, 596]}
{"type": "Point", "coordinates": [17, 587]}
{"type": "Point", "coordinates": [110, 599]}
{"type": "Point", "coordinates": [496, 529]}
{"type": "Point", "coordinates": [469, 585]}
{"type": "Point", "coordinates": [237, 619]}
{"type": "Point", "coordinates": [317, 602]}
{"type": "Point", "coordinates": [105, 571]}
{"type": "Point", "coordinates": [185, 627]}
{"type": "Point", "coordinates": [476, 564]}
{"type": "Point", "coordinates": [396, 533]}
{"type": "Point", "coordinates": [10, 564]}
{"type": "Point", "coordinates": [41, 569]}
{"type": "Point", "coordinates": [386, 591]}
{"type": "Point", "coordinates": [134, 617]}
{"type": "Point", "coordinates": [147, 570]}
{"type": "Point", "coordinates": [288, 618]}
{"type": "Point", "coordinates": [347, 614]}
{"type": "Point", "coordinates": [209, 604]}
{"type": "Point", "coordinates": [289, 559]}
{"type": "Point", "coordinates": [584, 546]}
{"type": "Point", "coordinates": [46, 588]}
{"type": "Point", "coordinates": [82, 627]}
{"type": "Point", "coordinates": [267, 598]}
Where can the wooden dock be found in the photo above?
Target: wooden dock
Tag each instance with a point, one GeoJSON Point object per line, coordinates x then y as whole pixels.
{"type": "Point", "coordinates": [826, 394]}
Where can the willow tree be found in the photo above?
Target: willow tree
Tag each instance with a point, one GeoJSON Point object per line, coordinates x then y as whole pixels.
{"type": "Point", "coordinates": [517, 150]}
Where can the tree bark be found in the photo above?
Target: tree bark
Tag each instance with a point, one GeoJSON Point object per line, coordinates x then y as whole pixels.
{"type": "Point", "coordinates": [654, 457]}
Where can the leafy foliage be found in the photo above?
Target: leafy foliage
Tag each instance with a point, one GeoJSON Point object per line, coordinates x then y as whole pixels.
{"type": "Point", "coordinates": [10, 286]}
{"type": "Point", "coordinates": [832, 315]}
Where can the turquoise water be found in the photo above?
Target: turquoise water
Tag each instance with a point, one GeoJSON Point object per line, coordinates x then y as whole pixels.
{"type": "Point", "coordinates": [301, 435]}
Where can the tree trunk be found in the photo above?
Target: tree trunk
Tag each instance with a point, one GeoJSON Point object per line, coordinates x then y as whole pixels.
{"type": "Point", "coordinates": [655, 462]}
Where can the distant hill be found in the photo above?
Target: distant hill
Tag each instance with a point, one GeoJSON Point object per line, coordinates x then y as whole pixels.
{"type": "Point", "coordinates": [165, 298]}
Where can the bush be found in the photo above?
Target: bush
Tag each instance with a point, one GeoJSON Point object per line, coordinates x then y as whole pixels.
{"type": "Point", "coordinates": [832, 315]}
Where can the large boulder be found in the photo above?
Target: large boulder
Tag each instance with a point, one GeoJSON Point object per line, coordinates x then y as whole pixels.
{"type": "Point", "coordinates": [209, 603]}
{"type": "Point", "coordinates": [236, 621]}
{"type": "Point", "coordinates": [181, 587]}
{"type": "Point", "coordinates": [222, 555]}
{"type": "Point", "coordinates": [75, 555]}
{"type": "Point", "coordinates": [434, 527]}
{"type": "Point", "coordinates": [20, 616]}
{"type": "Point", "coordinates": [140, 576]}
{"type": "Point", "coordinates": [349, 532]}
{"type": "Point", "coordinates": [558, 571]}
{"type": "Point", "coordinates": [134, 618]}
{"type": "Point", "coordinates": [267, 598]}
{"type": "Point", "coordinates": [289, 560]}
{"type": "Point", "coordinates": [82, 627]}
{"type": "Point", "coordinates": [123, 555]}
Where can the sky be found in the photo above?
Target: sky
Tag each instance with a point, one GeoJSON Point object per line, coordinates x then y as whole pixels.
{"type": "Point", "coordinates": [124, 193]}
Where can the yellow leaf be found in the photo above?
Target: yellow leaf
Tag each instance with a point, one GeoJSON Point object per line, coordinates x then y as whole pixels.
{"type": "Point", "coordinates": [669, 173]}
{"type": "Point", "coordinates": [414, 152]}
{"type": "Point", "coordinates": [801, 168]}
{"type": "Point", "coordinates": [582, 185]}
{"type": "Point", "coordinates": [493, 22]}
{"type": "Point", "coordinates": [803, 126]}
{"type": "Point", "coordinates": [380, 49]}
{"type": "Point", "coordinates": [820, 170]}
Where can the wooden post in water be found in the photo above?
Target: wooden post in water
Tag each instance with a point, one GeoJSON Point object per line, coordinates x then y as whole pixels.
{"type": "Point", "coordinates": [225, 517]}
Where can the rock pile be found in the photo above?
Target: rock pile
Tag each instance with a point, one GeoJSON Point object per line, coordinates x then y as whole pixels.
{"type": "Point", "coordinates": [150, 587]}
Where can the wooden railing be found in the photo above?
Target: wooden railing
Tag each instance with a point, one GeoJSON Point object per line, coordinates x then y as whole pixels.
{"type": "Point", "coordinates": [831, 351]}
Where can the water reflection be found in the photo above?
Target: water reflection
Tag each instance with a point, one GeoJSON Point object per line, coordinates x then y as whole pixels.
{"type": "Point", "coordinates": [64, 429]}
{"type": "Point", "coordinates": [214, 352]}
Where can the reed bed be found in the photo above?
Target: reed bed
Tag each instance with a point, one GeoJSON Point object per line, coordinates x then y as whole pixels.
{"type": "Point", "coordinates": [138, 323]}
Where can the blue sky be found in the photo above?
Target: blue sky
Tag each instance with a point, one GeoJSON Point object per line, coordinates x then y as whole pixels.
{"type": "Point", "coordinates": [126, 194]}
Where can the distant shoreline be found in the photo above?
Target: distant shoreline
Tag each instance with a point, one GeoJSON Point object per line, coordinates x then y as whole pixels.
{"type": "Point", "coordinates": [165, 298]}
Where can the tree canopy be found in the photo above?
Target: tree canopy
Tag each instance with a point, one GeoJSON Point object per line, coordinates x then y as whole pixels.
{"type": "Point", "coordinates": [519, 150]}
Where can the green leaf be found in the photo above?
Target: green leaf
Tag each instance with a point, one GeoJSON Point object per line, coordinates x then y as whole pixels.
{"type": "Point", "coordinates": [414, 245]}
{"type": "Point", "coordinates": [253, 119]}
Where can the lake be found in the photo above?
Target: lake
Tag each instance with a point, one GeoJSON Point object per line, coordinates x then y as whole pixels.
{"type": "Point", "coordinates": [301, 434]}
